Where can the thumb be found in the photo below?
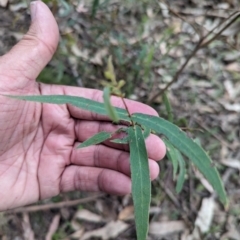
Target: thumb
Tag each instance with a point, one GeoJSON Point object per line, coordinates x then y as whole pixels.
{"type": "Point", "coordinates": [28, 57]}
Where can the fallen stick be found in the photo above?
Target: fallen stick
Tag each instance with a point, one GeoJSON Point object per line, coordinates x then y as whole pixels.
{"type": "Point", "coordinates": [45, 207]}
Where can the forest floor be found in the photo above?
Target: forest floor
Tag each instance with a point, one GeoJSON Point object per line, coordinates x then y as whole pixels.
{"type": "Point", "coordinates": [190, 49]}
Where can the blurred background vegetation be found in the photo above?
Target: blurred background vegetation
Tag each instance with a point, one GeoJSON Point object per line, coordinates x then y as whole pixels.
{"type": "Point", "coordinates": [188, 48]}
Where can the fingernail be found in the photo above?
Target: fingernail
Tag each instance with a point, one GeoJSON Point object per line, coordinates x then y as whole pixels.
{"type": "Point", "coordinates": [33, 9]}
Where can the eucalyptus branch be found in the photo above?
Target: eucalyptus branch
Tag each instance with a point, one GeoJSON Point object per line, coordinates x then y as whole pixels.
{"type": "Point", "coordinates": [126, 108]}
{"type": "Point", "coordinates": [178, 142]}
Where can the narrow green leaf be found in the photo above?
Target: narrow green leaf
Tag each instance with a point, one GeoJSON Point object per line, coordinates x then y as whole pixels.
{"type": "Point", "coordinates": [146, 132]}
{"type": "Point", "coordinates": [122, 129]}
{"type": "Point", "coordinates": [168, 107]}
{"type": "Point", "coordinates": [178, 162]}
{"type": "Point", "coordinates": [124, 140]}
{"type": "Point", "coordinates": [79, 102]}
{"type": "Point", "coordinates": [96, 139]}
{"type": "Point", "coordinates": [95, 5]}
{"type": "Point", "coordinates": [197, 141]}
{"type": "Point", "coordinates": [172, 156]}
{"type": "Point", "coordinates": [141, 184]}
{"type": "Point", "coordinates": [182, 172]}
{"type": "Point", "coordinates": [177, 137]}
{"type": "Point", "coordinates": [110, 72]}
{"type": "Point", "coordinates": [108, 106]}
{"type": "Point", "coordinates": [148, 60]}
{"type": "Point", "coordinates": [186, 146]}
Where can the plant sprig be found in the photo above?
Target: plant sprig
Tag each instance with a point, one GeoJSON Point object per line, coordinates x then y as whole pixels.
{"type": "Point", "coordinates": [140, 126]}
{"type": "Point", "coordinates": [175, 136]}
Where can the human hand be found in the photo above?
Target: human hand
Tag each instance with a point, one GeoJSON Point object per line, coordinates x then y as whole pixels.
{"type": "Point", "coordinates": [38, 155]}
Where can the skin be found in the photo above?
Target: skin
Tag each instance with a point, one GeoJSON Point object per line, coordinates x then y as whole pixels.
{"type": "Point", "coordinates": [38, 155]}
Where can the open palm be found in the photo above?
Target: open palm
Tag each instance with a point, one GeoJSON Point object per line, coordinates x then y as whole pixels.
{"type": "Point", "coordinates": [38, 155]}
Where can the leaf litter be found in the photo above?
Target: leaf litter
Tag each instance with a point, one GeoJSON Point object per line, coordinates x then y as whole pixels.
{"type": "Point", "coordinates": [212, 74]}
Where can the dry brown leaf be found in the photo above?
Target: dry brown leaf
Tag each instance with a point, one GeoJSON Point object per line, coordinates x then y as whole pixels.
{"type": "Point", "coordinates": [81, 8]}
{"type": "Point", "coordinates": [3, 3]}
{"type": "Point", "coordinates": [163, 48]}
{"type": "Point", "coordinates": [135, 40]}
{"type": "Point", "coordinates": [131, 40]}
{"type": "Point", "coordinates": [113, 41]}
{"type": "Point", "coordinates": [18, 6]}
{"type": "Point", "coordinates": [194, 235]}
{"type": "Point", "coordinates": [107, 208]}
{"type": "Point", "coordinates": [84, 54]}
{"type": "Point", "coordinates": [204, 181]}
{"type": "Point", "coordinates": [205, 215]}
{"type": "Point", "coordinates": [230, 89]}
{"type": "Point", "coordinates": [233, 163]}
{"type": "Point", "coordinates": [97, 58]}
{"type": "Point", "coordinates": [53, 227]}
{"type": "Point", "coordinates": [235, 107]}
{"type": "Point", "coordinates": [150, 13]}
{"type": "Point", "coordinates": [78, 234]}
{"type": "Point", "coordinates": [27, 229]}
{"type": "Point", "coordinates": [155, 210]}
{"type": "Point", "coordinates": [164, 9]}
{"type": "Point", "coordinates": [111, 230]}
{"type": "Point", "coordinates": [205, 109]}
{"type": "Point", "coordinates": [75, 225]}
{"type": "Point", "coordinates": [126, 213]}
{"type": "Point", "coordinates": [127, 200]}
{"type": "Point", "coordinates": [233, 67]}
{"type": "Point", "coordinates": [17, 35]}
{"type": "Point", "coordinates": [176, 25]}
{"type": "Point", "coordinates": [88, 216]}
{"type": "Point", "coordinates": [232, 233]}
{"type": "Point", "coordinates": [166, 228]}
{"type": "Point", "coordinates": [202, 84]}
{"type": "Point", "coordinates": [232, 56]}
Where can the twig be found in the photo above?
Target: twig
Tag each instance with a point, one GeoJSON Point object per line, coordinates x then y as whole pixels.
{"type": "Point", "coordinates": [170, 195]}
{"type": "Point", "coordinates": [216, 136]}
{"type": "Point", "coordinates": [175, 78]}
{"type": "Point", "coordinates": [204, 44]}
{"type": "Point", "coordinates": [54, 205]}
{"type": "Point", "coordinates": [199, 45]}
{"type": "Point", "coordinates": [181, 17]}
{"type": "Point", "coordinates": [126, 107]}
{"type": "Point", "coordinates": [175, 201]}
{"type": "Point", "coordinates": [227, 174]}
